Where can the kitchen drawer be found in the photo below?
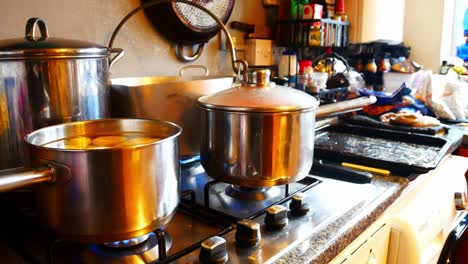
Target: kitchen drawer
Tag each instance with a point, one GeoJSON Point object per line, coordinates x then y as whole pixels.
{"type": "Point", "coordinates": [373, 250]}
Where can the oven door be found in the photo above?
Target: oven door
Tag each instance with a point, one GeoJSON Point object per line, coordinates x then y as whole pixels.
{"type": "Point", "coordinates": [455, 249]}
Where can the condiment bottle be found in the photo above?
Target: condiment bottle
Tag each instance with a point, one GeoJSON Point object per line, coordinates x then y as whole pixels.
{"type": "Point", "coordinates": [340, 11]}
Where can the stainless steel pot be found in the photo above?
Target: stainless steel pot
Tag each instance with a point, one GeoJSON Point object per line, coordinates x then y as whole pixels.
{"type": "Point", "coordinates": [168, 98]}
{"type": "Point", "coordinates": [103, 195]}
{"type": "Point", "coordinates": [257, 134]}
{"type": "Point", "coordinates": [46, 81]}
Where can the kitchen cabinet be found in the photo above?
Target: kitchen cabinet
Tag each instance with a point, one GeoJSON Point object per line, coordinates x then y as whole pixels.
{"type": "Point", "coordinates": [371, 247]}
{"type": "Point", "coordinates": [415, 227]}
{"type": "Point", "coordinates": [373, 250]}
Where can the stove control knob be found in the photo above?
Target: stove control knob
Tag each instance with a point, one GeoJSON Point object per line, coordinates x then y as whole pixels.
{"type": "Point", "coordinates": [461, 201]}
{"type": "Point", "coordinates": [276, 217]}
{"type": "Point", "coordinates": [247, 233]}
{"type": "Point", "coordinates": [298, 206]}
{"type": "Point", "coordinates": [213, 251]}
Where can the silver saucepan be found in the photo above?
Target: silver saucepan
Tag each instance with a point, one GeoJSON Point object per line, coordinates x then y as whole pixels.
{"type": "Point", "coordinates": [102, 195]}
{"type": "Point", "coordinates": [257, 134]}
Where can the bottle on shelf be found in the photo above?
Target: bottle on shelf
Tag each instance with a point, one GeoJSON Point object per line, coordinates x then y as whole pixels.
{"type": "Point", "coordinates": [287, 66]}
{"type": "Point", "coordinates": [340, 11]}
{"type": "Point", "coordinates": [370, 70]}
{"type": "Point", "coordinates": [444, 68]}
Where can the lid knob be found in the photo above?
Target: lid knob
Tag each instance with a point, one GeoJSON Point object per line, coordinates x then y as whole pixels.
{"type": "Point", "coordinates": [31, 29]}
{"type": "Point", "coordinates": [258, 78]}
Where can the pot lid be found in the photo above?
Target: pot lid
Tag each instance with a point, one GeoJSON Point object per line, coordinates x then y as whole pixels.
{"type": "Point", "coordinates": [258, 95]}
{"type": "Point", "coordinates": [32, 46]}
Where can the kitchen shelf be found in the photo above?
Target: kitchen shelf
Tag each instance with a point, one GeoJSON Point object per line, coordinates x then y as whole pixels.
{"type": "Point", "coordinates": [298, 34]}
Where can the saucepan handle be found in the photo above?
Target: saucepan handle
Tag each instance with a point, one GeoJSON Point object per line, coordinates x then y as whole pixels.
{"type": "Point", "coordinates": [205, 69]}
{"type": "Point", "coordinates": [337, 172]}
{"type": "Point", "coordinates": [120, 52]}
{"type": "Point", "coordinates": [24, 177]}
{"type": "Point", "coordinates": [30, 34]}
{"type": "Point", "coordinates": [189, 58]}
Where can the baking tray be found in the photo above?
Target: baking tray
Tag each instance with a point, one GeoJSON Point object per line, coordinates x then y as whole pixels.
{"type": "Point", "coordinates": [399, 152]}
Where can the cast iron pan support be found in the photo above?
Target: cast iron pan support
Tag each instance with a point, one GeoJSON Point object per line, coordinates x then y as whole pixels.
{"type": "Point", "coordinates": [240, 70]}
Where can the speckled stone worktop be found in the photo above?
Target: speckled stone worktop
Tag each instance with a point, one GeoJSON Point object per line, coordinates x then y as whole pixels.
{"type": "Point", "coordinates": [328, 242]}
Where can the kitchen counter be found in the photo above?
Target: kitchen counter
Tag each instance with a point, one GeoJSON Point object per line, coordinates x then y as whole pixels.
{"type": "Point", "coordinates": [327, 243]}
{"type": "Point", "coordinates": [333, 238]}
{"type": "Point", "coordinates": [319, 237]}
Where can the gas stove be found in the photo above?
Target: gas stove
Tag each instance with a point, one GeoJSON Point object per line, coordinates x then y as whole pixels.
{"type": "Point", "coordinates": [215, 223]}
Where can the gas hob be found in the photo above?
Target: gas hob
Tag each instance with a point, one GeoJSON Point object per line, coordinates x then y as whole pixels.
{"type": "Point", "coordinates": [215, 223]}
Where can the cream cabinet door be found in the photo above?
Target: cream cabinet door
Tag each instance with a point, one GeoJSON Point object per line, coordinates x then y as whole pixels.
{"type": "Point", "coordinates": [374, 250]}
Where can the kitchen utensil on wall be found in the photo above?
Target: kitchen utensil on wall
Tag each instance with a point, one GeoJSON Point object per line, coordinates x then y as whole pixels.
{"type": "Point", "coordinates": [45, 81]}
{"type": "Point", "coordinates": [257, 134]}
{"type": "Point", "coordinates": [102, 195]}
{"type": "Point", "coordinates": [239, 70]}
{"type": "Point", "coordinates": [188, 25]}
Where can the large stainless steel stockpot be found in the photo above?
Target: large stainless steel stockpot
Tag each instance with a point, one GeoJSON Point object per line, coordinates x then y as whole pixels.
{"type": "Point", "coordinates": [168, 98]}
{"type": "Point", "coordinates": [257, 134]}
{"type": "Point", "coordinates": [46, 81]}
{"type": "Point", "coordinates": [103, 195]}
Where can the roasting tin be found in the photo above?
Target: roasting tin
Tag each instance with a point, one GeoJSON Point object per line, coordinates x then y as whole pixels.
{"type": "Point", "coordinates": [399, 152]}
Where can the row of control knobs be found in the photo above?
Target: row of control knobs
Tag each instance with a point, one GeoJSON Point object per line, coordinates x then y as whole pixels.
{"type": "Point", "coordinates": [213, 250]}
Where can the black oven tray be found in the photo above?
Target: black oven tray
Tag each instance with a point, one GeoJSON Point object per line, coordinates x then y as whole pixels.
{"type": "Point", "coordinates": [399, 152]}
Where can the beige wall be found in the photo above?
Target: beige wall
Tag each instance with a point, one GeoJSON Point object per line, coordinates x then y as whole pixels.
{"type": "Point", "coordinates": [427, 29]}
{"type": "Point", "coordinates": [375, 19]}
{"type": "Point", "coordinates": [147, 53]}
{"type": "Point", "coordinates": [424, 25]}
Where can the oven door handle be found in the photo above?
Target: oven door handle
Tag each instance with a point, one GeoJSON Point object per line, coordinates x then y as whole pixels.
{"type": "Point", "coordinates": [447, 254]}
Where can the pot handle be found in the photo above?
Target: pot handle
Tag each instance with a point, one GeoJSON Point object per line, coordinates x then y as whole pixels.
{"type": "Point", "coordinates": [185, 58]}
{"type": "Point", "coordinates": [195, 66]}
{"type": "Point", "coordinates": [120, 52]}
{"type": "Point", "coordinates": [23, 177]}
{"type": "Point", "coordinates": [30, 34]}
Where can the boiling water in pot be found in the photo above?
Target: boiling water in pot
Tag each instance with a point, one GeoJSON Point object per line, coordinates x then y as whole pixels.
{"type": "Point", "coordinates": [85, 142]}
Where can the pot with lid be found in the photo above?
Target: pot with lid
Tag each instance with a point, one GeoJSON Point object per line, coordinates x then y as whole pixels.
{"type": "Point", "coordinates": [46, 81]}
{"type": "Point", "coordinates": [257, 134]}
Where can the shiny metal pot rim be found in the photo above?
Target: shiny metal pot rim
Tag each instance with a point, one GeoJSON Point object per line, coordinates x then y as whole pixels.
{"type": "Point", "coordinates": [214, 108]}
{"type": "Point", "coordinates": [34, 137]}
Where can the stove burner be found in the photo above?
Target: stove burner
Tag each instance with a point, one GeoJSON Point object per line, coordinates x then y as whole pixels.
{"type": "Point", "coordinates": [128, 242]}
{"type": "Point", "coordinates": [187, 162]}
{"type": "Point", "coordinates": [147, 251]}
{"type": "Point", "coordinates": [245, 193]}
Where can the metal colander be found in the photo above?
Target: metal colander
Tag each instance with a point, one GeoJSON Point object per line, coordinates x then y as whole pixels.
{"type": "Point", "coordinates": [197, 19]}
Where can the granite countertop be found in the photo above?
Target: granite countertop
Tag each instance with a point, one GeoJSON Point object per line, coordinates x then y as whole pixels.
{"type": "Point", "coordinates": [328, 242]}
{"type": "Point", "coordinates": [325, 244]}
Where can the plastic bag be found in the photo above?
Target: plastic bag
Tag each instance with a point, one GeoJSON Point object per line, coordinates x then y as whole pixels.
{"type": "Point", "coordinates": [446, 95]}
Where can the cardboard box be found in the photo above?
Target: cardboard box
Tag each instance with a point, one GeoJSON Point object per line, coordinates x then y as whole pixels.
{"type": "Point", "coordinates": [259, 52]}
